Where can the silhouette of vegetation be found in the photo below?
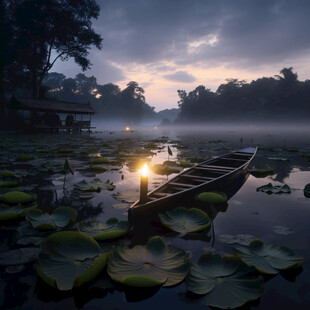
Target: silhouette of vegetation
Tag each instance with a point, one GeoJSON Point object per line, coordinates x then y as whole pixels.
{"type": "Point", "coordinates": [38, 33]}
{"type": "Point", "coordinates": [282, 97]}
{"type": "Point", "coordinates": [109, 101]}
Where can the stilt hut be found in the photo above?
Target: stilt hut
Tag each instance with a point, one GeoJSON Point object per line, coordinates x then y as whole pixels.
{"type": "Point", "coordinates": [52, 115]}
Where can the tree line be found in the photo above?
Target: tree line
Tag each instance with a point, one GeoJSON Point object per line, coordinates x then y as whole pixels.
{"type": "Point", "coordinates": [109, 101]}
{"type": "Point", "coordinates": [282, 97]}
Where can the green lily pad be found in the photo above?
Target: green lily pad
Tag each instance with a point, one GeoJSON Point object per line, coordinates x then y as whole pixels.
{"type": "Point", "coordinates": [242, 239]}
{"type": "Point", "coordinates": [14, 212]}
{"type": "Point", "coordinates": [97, 169]}
{"type": "Point", "coordinates": [278, 189]}
{"type": "Point", "coordinates": [262, 173]}
{"type": "Point", "coordinates": [100, 160]}
{"type": "Point", "coordinates": [16, 197]}
{"type": "Point", "coordinates": [267, 258]}
{"type": "Point", "coordinates": [184, 220]}
{"type": "Point", "coordinates": [60, 218]}
{"type": "Point", "coordinates": [95, 185]}
{"type": "Point", "coordinates": [225, 282]}
{"type": "Point", "coordinates": [112, 229]}
{"type": "Point", "coordinates": [163, 169]}
{"type": "Point", "coordinates": [6, 174]}
{"type": "Point", "coordinates": [185, 164]}
{"type": "Point", "coordinates": [212, 197]}
{"type": "Point", "coordinates": [150, 265]}
{"type": "Point", "coordinates": [24, 158]}
{"type": "Point", "coordinates": [69, 259]}
{"type": "Point", "coordinates": [19, 256]}
{"type": "Point", "coordinates": [127, 196]}
{"type": "Point", "coordinates": [307, 191]}
{"type": "Point", "coordinates": [283, 230]}
{"type": "Point", "coordinates": [8, 184]}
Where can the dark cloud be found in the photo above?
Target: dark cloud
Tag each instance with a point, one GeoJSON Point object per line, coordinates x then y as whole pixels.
{"type": "Point", "coordinates": [248, 32]}
{"type": "Point", "coordinates": [180, 76]}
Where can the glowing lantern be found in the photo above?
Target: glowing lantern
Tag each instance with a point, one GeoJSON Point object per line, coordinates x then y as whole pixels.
{"type": "Point", "coordinates": [127, 128]}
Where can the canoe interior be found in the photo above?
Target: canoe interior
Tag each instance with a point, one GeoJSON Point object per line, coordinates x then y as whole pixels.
{"type": "Point", "coordinates": [210, 174]}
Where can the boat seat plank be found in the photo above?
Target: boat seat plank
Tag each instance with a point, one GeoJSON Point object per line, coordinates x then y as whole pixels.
{"type": "Point", "coordinates": [235, 159]}
{"type": "Point", "coordinates": [211, 169]}
{"type": "Point", "coordinates": [161, 194]}
{"type": "Point", "coordinates": [218, 167]}
{"type": "Point", "coordinates": [196, 177]}
{"type": "Point", "coordinates": [181, 184]}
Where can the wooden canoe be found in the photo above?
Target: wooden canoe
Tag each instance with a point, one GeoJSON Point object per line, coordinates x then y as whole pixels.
{"type": "Point", "coordinates": [210, 175]}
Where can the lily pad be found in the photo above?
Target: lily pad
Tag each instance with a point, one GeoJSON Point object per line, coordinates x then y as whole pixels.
{"type": "Point", "coordinates": [97, 169]}
{"type": "Point", "coordinates": [6, 174]}
{"type": "Point", "coordinates": [163, 169]}
{"type": "Point", "coordinates": [185, 164]}
{"type": "Point", "coordinates": [30, 241]}
{"type": "Point", "coordinates": [212, 197]}
{"type": "Point", "coordinates": [242, 239]}
{"type": "Point", "coordinates": [60, 218]}
{"type": "Point", "coordinates": [267, 258]}
{"type": "Point", "coordinates": [15, 197]}
{"type": "Point", "coordinates": [307, 191]}
{"type": "Point", "coordinates": [127, 196]}
{"type": "Point", "coordinates": [225, 282]}
{"type": "Point", "coordinates": [100, 160]}
{"type": "Point", "coordinates": [8, 184]}
{"type": "Point", "coordinates": [283, 230]}
{"type": "Point", "coordinates": [95, 185]}
{"type": "Point", "coordinates": [184, 220]}
{"type": "Point", "coordinates": [146, 266]}
{"type": "Point", "coordinates": [19, 256]}
{"type": "Point", "coordinates": [112, 229]}
{"type": "Point", "coordinates": [278, 189]}
{"type": "Point", "coordinates": [24, 158]}
{"type": "Point", "coordinates": [262, 173]}
{"type": "Point", "coordinates": [69, 259]}
{"type": "Point", "coordinates": [14, 212]}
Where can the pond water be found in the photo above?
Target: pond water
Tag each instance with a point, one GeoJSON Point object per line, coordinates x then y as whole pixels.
{"type": "Point", "coordinates": [283, 219]}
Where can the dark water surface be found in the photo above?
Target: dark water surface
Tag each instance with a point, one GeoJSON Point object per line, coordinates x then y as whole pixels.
{"type": "Point", "coordinates": [248, 211]}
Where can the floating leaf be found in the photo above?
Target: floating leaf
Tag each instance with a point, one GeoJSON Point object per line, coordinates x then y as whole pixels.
{"type": "Point", "coordinates": [267, 258]}
{"type": "Point", "coordinates": [163, 169]}
{"type": "Point", "coordinates": [19, 256]}
{"type": "Point", "coordinates": [6, 174]}
{"type": "Point", "coordinates": [212, 197]}
{"type": "Point", "coordinates": [8, 184]}
{"type": "Point", "coordinates": [283, 230]}
{"type": "Point", "coordinates": [184, 220]}
{"type": "Point", "coordinates": [97, 169]}
{"type": "Point", "coordinates": [112, 229]}
{"type": "Point", "coordinates": [24, 158]}
{"type": "Point", "coordinates": [150, 265]}
{"type": "Point", "coordinates": [30, 241]}
{"type": "Point", "coordinates": [69, 259]}
{"type": "Point", "coordinates": [60, 218]}
{"type": "Point", "coordinates": [242, 239]}
{"type": "Point", "coordinates": [307, 191]}
{"type": "Point", "coordinates": [225, 282]}
{"type": "Point", "coordinates": [16, 197]}
{"type": "Point", "coordinates": [127, 196]}
{"type": "Point", "coordinates": [185, 164]}
{"type": "Point", "coordinates": [262, 173]}
{"type": "Point", "coordinates": [100, 160]}
{"type": "Point", "coordinates": [14, 212]}
{"type": "Point", "coordinates": [278, 189]}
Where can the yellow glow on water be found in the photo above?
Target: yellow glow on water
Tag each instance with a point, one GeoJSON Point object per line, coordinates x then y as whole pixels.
{"type": "Point", "coordinates": [145, 170]}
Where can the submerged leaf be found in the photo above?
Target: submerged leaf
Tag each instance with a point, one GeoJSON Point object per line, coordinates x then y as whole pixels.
{"type": "Point", "coordinates": [267, 258]}
{"type": "Point", "coordinates": [19, 256]}
{"type": "Point", "coordinates": [150, 265]}
{"type": "Point", "coordinates": [242, 239]}
{"type": "Point", "coordinates": [283, 230]}
{"type": "Point", "coordinates": [184, 220]}
{"type": "Point", "coordinates": [225, 282]}
{"type": "Point", "coordinates": [127, 196]}
{"type": "Point", "coordinates": [69, 259]}
{"type": "Point", "coordinates": [262, 173]}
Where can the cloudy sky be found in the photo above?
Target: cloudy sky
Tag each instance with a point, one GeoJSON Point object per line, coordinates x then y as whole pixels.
{"type": "Point", "coordinates": [166, 45]}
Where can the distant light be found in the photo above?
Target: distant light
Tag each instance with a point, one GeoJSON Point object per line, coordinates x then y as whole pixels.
{"type": "Point", "coordinates": [127, 128]}
{"type": "Point", "coordinates": [145, 170]}
{"type": "Point", "coordinates": [155, 127]}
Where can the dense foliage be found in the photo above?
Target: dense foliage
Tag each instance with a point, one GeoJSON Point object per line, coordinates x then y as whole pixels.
{"type": "Point", "coordinates": [282, 97]}
{"type": "Point", "coordinates": [108, 100]}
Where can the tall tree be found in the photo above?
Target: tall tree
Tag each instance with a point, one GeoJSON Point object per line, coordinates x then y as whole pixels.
{"type": "Point", "coordinates": [46, 31]}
